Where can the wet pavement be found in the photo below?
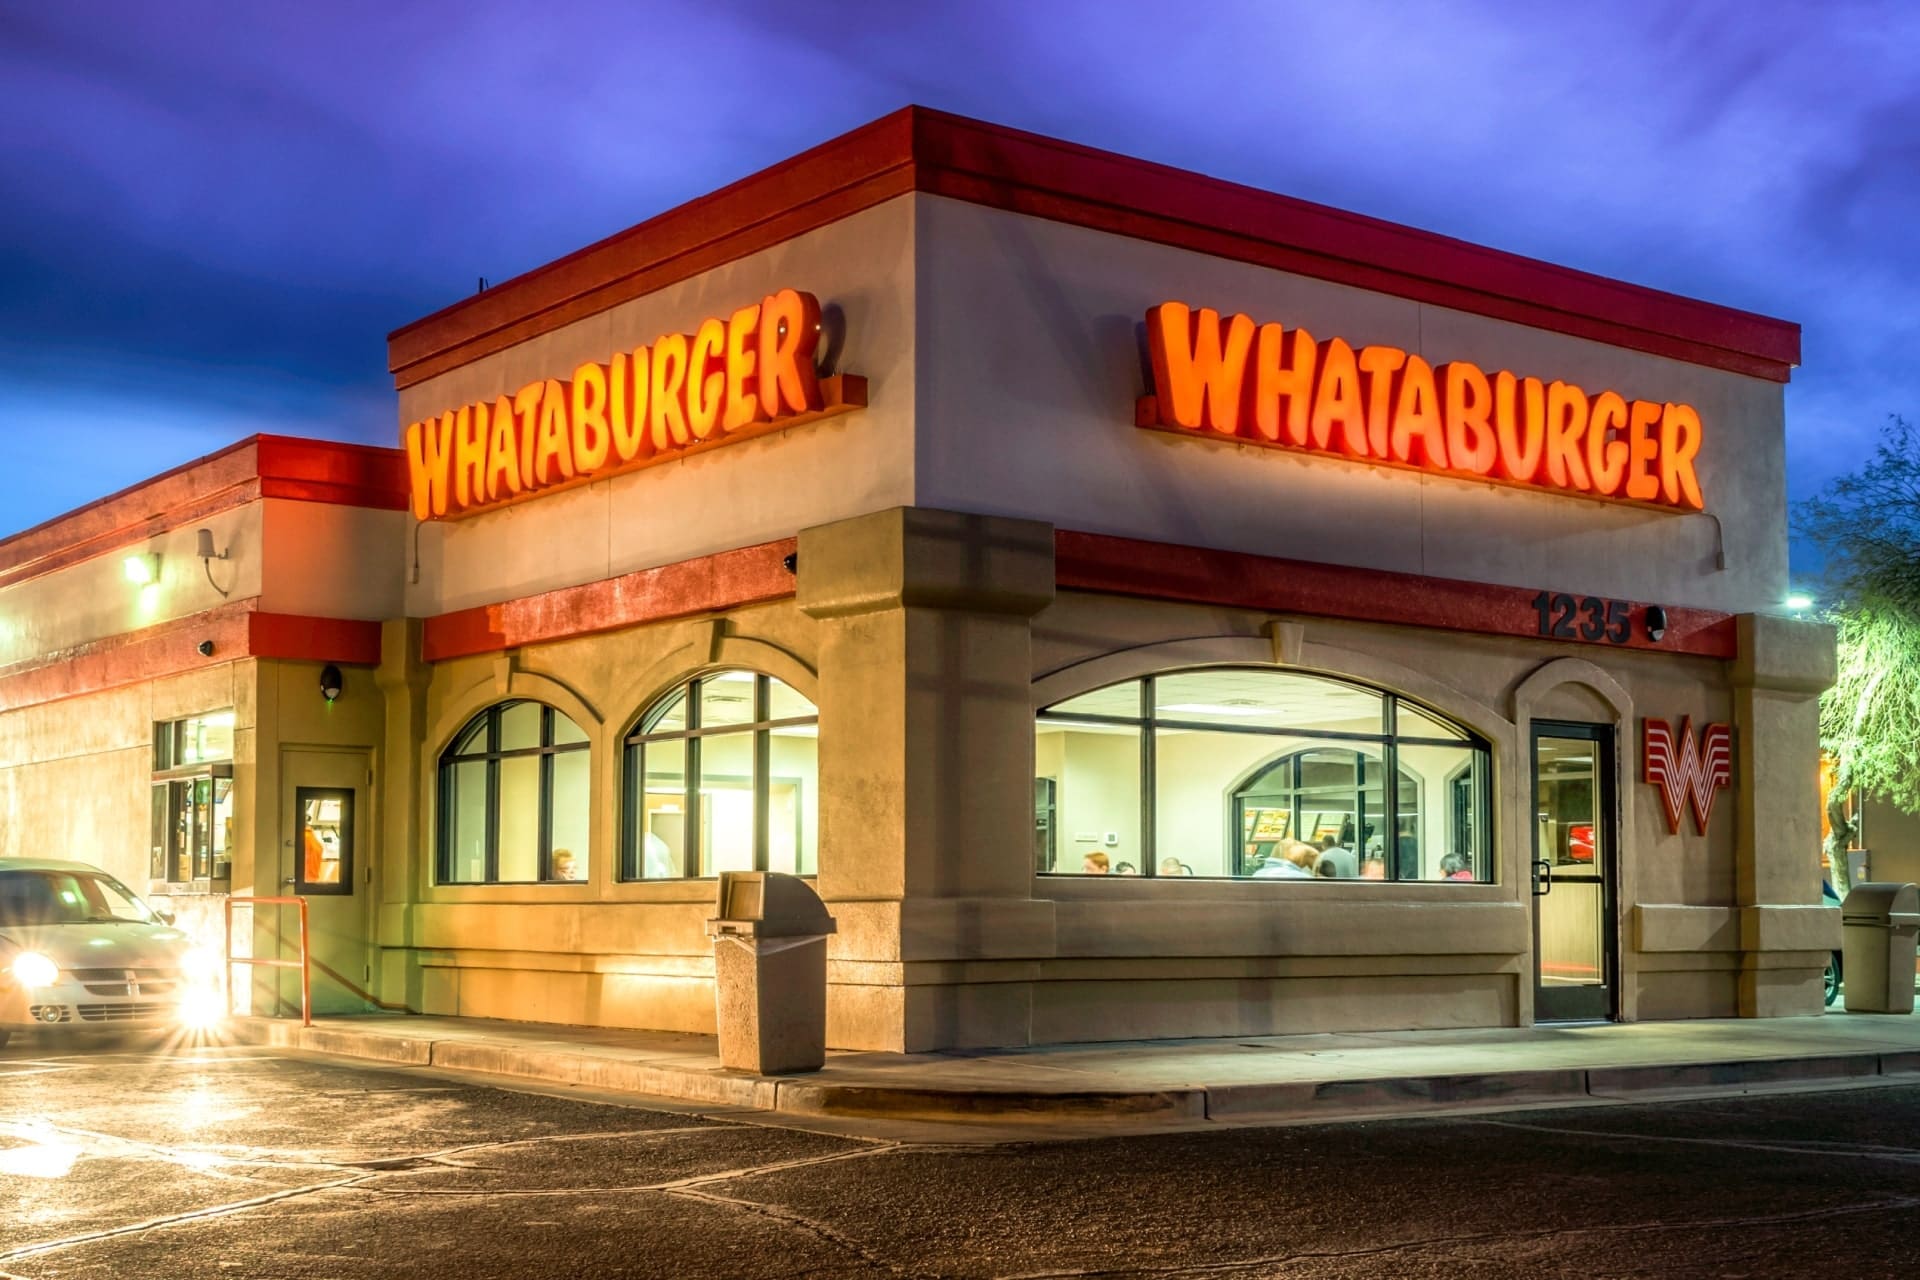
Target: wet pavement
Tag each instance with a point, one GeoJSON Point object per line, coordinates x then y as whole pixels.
{"type": "Point", "coordinates": [247, 1162]}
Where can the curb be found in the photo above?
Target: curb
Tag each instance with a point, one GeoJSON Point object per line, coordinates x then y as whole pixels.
{"type": "Point", "coordinates": [1292, 1100]}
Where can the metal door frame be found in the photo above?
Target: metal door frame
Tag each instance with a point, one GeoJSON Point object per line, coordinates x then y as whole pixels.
{"type": "Point", "coordinates": [1580, 1004]}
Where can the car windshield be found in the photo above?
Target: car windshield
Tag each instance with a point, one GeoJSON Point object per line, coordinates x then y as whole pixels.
{"type": "Point", "coordinates": [67, 897]}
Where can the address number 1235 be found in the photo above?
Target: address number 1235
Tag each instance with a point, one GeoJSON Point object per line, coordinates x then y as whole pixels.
{"type": "Point", "coordinates": [1567, 617]}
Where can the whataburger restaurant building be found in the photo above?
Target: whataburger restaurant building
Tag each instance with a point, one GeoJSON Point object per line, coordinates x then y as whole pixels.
{"type": "Point", "coordinates": [1142, 605]}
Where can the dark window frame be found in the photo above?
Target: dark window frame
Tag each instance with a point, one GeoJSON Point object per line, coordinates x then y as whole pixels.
{"type": "Point", "coordinates": [1388, 740]}
{"type": "Point", "coordinates": [324, 888]}
{"type": "Point", "coordinates": [631, 867]}
{"type": "Point", "coordinates": [172, 787]}
{"type": "Point", "coordinates": [493, 755]}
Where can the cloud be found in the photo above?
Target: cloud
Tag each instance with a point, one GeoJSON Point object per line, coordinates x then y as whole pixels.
{"type": "Point", "coordinates": [230, 205]}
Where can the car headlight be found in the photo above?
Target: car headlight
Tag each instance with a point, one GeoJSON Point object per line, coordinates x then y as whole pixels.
{"type": "Point", "coordinates": [200, 964]}
{"type": "Point", "coordinates": [31, 969]}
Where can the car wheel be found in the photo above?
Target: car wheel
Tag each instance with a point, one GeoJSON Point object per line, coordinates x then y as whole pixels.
{"type": "Point", "coordinates": [1833, 978]}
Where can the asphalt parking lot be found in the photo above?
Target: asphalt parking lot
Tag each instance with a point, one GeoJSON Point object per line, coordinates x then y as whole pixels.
{"type": "Point", "coordinates": [126, 1161]}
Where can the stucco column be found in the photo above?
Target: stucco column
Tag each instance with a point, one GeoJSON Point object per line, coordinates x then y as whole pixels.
{"type": "Point", "coordinates": [926, 767]}
{"type": "Point", "coordinates": [402, 678]}
{"type": "Point", "coordinates": [1785, 934]}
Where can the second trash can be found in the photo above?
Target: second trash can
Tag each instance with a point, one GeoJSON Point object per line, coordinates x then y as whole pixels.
{"type": "Point", "coordinates": [1878, 922]}
{"type": "Point", "coordinates": [770, 972]}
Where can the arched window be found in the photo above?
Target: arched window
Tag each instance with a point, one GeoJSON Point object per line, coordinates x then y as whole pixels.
{"type": "Point", "coordinates": [722, 774]}
{"type": "Point", "coordinates": [1255, 773]}
{"type": "Point", "coordinates": [514, 798]}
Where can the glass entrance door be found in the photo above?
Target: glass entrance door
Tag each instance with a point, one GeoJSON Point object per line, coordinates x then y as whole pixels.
{"type": "Point", "coordinates": [1573, 872]}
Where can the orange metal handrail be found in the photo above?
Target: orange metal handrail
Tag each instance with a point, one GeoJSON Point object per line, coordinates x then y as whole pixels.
{"type": "Point", "coordinates": [306, 980]}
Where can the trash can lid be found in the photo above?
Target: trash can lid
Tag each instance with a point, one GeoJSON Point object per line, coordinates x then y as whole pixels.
{"type": "Point", "coordinates": [768, 904]}
{"type": "Point", "coordinates": [1879, 901]}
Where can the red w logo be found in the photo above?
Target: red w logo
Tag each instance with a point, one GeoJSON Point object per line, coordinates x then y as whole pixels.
{"type": "Point", "coordinates": [1693, 774]}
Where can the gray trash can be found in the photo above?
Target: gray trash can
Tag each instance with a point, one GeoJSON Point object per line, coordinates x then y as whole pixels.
{"type": "Point", "coordinates": [1878, 924]}
{"type": "Point", "coordinates": [769, 936]}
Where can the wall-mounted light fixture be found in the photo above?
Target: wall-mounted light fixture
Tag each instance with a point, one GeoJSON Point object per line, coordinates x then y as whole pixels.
{"type": "Point", "coordinates": [204, 648]}
{"type": "Point", "coordinates": [1656, 622]}
{"type": "Point", "coordinates": [142, 569]}
{"type": "Point", "coordinates": [203, 540]}
{"type": "Point", "coordinates": [332, 683]}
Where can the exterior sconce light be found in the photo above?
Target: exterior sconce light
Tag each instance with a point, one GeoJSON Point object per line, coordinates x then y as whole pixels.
{"type": "Point", "coordinates": [204, 648]}
{"type": "Point", "coordinates": [204, 549]}
{"type": "Point", "coordinates": [332, 683]}
{"type": "Point", "coordinates": [1656, 622]}
{"type": "Point", "coordinates": [142, 570]}
{"type": "Point", "coordinates": [1799, 602]}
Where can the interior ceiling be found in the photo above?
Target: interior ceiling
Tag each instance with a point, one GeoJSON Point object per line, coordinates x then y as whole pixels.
{"type": "Point", "coordinates": [1256, 697]}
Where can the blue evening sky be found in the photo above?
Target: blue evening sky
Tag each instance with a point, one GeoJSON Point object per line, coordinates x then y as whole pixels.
{"type": "Point", "coordinates": [211, 214]}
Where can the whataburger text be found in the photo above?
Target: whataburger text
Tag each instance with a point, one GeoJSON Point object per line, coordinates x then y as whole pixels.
{"type": "Point", "coordinates": [686, 390]}
{"type": "Point", "coordinates": [1270, 385]}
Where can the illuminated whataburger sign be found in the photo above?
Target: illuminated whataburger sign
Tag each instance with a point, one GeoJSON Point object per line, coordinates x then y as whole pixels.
{"type": "Point", "coordinates": [748, 374]}
{"type": "Point", "coordinates": [1269, 385]}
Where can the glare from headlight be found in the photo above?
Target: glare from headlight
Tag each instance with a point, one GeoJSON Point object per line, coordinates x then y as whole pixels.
{"type": "Point", "coordinates": [201, 1007]}
{"type": "Point", "coordinates": [31, 969]}
{"type": "Point", "coordinates": [201, 964]}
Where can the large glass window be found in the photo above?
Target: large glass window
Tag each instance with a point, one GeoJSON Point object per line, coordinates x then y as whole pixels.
{"type": "Point", "coordinates": [722, 774]}
{"type": "Point", "coordinates": [191, 800]}
{"type": "Point", "coordinates": [514, 798]}
{"type": "Point", "coordinates": [1252, 773]}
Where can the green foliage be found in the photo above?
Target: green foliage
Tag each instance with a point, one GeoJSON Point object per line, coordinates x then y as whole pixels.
{"type": "Point", "coordinates": [1870, 719]}
{"type": "Point", "coordinates": [1866, 528]}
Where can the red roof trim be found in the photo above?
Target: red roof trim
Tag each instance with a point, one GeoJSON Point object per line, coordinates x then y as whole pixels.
{"type": "Point", "coordinates": [260, 466]}
{"type": "Point", "coordinates": [725, 580]}
{"type": "Point", "coordinates": [1201, 575]}
{"type": "Point", "coordinates": [237, 630]}
{"type": "Point", "coordinates": [916, 149]}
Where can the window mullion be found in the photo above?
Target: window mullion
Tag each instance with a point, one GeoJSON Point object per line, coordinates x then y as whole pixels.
{"type": "Point", "coordinates": [1390, 842]}
{"type": "Point", "coordinates": [543, 831]}
{"type": "Point", "coordinates": [490, 863]}
{"type": "Point", "coordinates": [1149, 838]}
{"type": "Point", "coordinates": [762, 766]}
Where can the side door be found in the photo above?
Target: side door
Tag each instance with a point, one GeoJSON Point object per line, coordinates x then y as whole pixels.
{"type": "Point", "coordinates": [326, 827]}
{"type": "Point", "coordinates": [1575, 856]}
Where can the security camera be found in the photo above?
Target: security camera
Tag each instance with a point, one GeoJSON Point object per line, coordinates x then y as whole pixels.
{"type": "Point", "coordinates": [1656, 622]}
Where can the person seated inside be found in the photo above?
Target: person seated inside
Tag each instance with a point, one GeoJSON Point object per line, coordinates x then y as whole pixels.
{"type": "Point", "coordinates": [1094, 864]}
{"type": "Point", "coordinates": [1374, 868]}
{"type": "Point", "coordinates": [1455, 866]}
{"type": "Point", "coordinates": [1174, 867]}
{"type": "Point", "coordinates": [564, 865]}
{"type": "Point", "coordinates": [1126, 869]}
{"type": "Point", "coordinates": [1336, 863]}
{"type": "Point", "coordinates": [1294, 860]}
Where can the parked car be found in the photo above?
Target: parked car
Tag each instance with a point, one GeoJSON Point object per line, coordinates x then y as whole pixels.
{"type": "Point", "coordinates": [1835, 971]}
{"type": "Point", "coordinates": [81, 951]}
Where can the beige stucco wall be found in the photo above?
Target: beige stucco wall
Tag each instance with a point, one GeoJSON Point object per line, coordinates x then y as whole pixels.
{"type": "Point", "coordinates": [326, 561]}
{"type": "Point", "coordinates": [598, 951]}
{"type": "Point", "coordinates": [75, 777]}
{"type": "Point", "coordinates": [948, 938]}
{"type": "Point", "coordinates": [755, 490]}
{"type": "Point", "coordinates": [93, 599]}
{"type": "Point", "coordinates": [1892, 837]}
{"type": "Point", "coordinates": [1029, 362]}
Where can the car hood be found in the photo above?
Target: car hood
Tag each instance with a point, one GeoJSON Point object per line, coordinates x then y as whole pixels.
{"type": "Point", "coordinates": [119, 945]}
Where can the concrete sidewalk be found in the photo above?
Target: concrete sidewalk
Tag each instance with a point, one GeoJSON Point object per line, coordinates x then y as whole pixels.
{"type": "Point", "coordinates": [1179, 1083]}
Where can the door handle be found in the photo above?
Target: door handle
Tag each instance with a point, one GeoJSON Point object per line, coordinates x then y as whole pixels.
{"type": "Point", "coordinates": [1542, 878]}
